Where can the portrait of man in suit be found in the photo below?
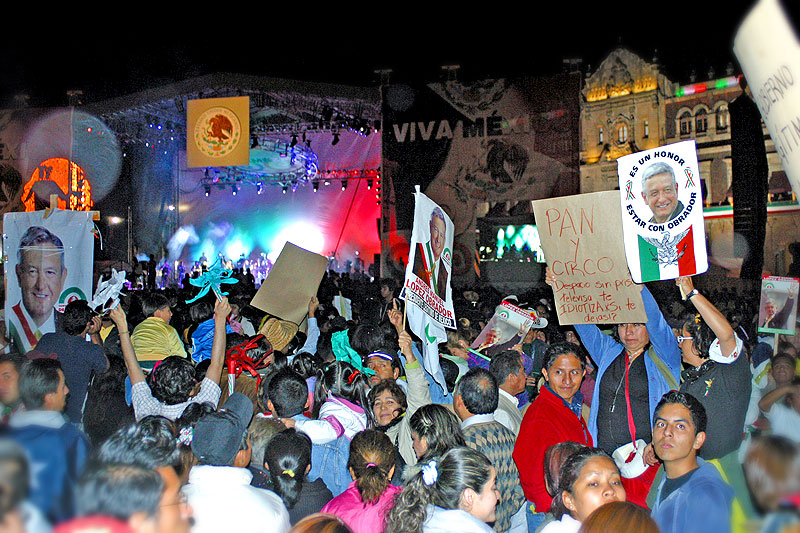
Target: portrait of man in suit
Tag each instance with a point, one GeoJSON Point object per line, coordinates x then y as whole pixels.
{"type": "Point", "coordinates": [427, 259]}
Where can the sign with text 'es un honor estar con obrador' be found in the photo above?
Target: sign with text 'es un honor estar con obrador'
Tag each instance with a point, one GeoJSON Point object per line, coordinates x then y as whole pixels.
{"type": "Point", "coordinates": [662, 212]}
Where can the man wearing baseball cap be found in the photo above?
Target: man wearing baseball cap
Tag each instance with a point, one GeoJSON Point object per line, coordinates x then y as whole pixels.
{"type": "Point", "coordinates": [219, 487]}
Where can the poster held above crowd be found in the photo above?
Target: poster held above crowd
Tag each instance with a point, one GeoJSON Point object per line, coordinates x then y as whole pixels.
{"type": "Point", "coordinates": [426, 289]}
{"type": "Point", "coordinates": [662, 212]}
{"type": "Point", "coordinates": [778, 307]}
{"type": "Point", "coordinates": [594, 285]}
{"type": "Point", "coordinates": [507, 328]}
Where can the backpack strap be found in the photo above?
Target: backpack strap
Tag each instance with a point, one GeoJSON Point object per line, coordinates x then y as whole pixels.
{"type": "Point", "coordinates": [663, 368]}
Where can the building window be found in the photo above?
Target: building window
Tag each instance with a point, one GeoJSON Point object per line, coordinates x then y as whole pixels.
{"type": "Point", "coordinates": [723, 118]}
{"type": "Point", "coordinates": [686, 123]}
{"type": "Point", "coordinates": [622, 133]}
{"type": "Point", "coordinates": [646, 129]}
{"type": "Point", "coordinates": [701, 122]}
{"type": "Point", "coordinates": [600, 137]}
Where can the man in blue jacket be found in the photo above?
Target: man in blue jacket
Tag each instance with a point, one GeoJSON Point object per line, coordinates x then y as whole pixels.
{"type": "Point", "coordinates": [692, 496]}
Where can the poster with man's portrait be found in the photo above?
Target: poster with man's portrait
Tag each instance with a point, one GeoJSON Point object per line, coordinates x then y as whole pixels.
{"type": "Point", "coordinates": [777, 311]}
{"type": "Point", "coordinates": [507, 328]}
{"type": "Point", "coordinates": [662, 212]}
{"type": "Point", "coordinates": [48, 263]}
{"type": "Point", "coordinates": [429, 268]}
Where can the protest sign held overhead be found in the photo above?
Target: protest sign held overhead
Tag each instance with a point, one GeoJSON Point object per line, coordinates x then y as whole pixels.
{"type": "Point", "coordinates": [582, 243]}
{"type": "Point", "coordinates": [662, 213]}
{"type": "Point", "coordinates": [426, 289]}
{"type": "Point", "coordinates": [507, 328]}
{"type": "Point", "coordinates": [777, 312]}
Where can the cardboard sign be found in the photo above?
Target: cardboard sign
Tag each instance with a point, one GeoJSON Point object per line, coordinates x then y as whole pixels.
{"type": "Point", "coordinates": [507, 327]}
{"type": "Point", "coordinates": [293, 280]}
{"type": "Point", "coordinates": [778, 309]}
{"type": "Point", "coordinates": [218, 132]}
{"type": "Point", "coordinates": [48, 263]}
{"type": "Point", "coordinates": [662, 213]}
{"type": "Point", "coordinates": [582, 242]}
{"type": "Point", "coordinates": [769, 54]}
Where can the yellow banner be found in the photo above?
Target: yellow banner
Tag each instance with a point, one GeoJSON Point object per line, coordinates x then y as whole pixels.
{"type": "Point", "coordinates": [218, 132]}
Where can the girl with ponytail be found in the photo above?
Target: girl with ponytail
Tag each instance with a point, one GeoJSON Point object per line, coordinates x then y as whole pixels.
{"type": "Point", "coordinates": [366, 502]}
{"type": "Point", "coordinates": [456, 492]}
{"type": "Point", "coordinates": [288, 460]}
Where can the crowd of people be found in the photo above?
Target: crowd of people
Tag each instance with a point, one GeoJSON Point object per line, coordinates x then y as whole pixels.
{"type": "Point", "coordinates": [163, 416]}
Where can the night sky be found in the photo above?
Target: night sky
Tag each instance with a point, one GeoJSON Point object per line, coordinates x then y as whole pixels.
{"type": "Point", "coordinates": [135, 51]}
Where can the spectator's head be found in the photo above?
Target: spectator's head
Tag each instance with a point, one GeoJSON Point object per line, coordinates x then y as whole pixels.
{"type": "Point", "coordinates": [388, 286]}
{"type": "Point", "coordinates": [340, 379]}
{"type": "Point", "coordinates": [450, 372]}
{"type": "Point", "coordinates": [184, 426]}
{"type": "Point", "coordinates": [588, 479]}
{"type": "Point", "coordinates": [288, 459]}
{"type": "Point", "coordinates": [679, 427]}
{"type": "Point", "coordinates": [783, 368]}
{"type": "Point", "coordinates": [619, 516]}
{"type": "Point", "coordinates": [554, 459]}
{"type": "Point", "coordinates": [371, 463]}
{"type": "Point", "coordinates": [220, 438]}
{"type": "Point", "coordinates": [385, 364]}
{"type": "Point", "coordinates": [260, 433]}
{"type": "Point", "coordinates": [387, 401]}
{"type": "Point", "coordinates": [14, 478]}
{"type": "Point", "coordinates": [41, 272]}
{"type": "Point", "coordinates": [77, 318]}
{"type": "Point", "coordinates": [172, 381]}
{"type": "Point", "coordinates": [42, 385]}
{"type": "Point", "coordinates": [201, 311]}
{"type": "Point", "coordinates": [321, 523]}
{"type": "Point", "coordinates": [157, 305]}
{"type": "Point", "coordinates": [476, 394]}
{"type": "Point", "coordinates": [697, 340]}
{"type": "Point", "coordinates": [148, 501]}
{"type": "Point", "coordinates": [564, 366]}
{"type": "Point", "coordinates": [287, 394]}
{"type": "Point", "coordinates": [10, 369]}
{"type": "Point", "coordinates": [633, 336]}
{"type": "Point", "coordinates": [772, 469]}
{"type": "Point", "coordinates": [151, 446]}
{"type": "Point", "coordinates": [306, 364]}
{"type": "Point", "coordinates": [434, 430]}
{"type": "Point", "coordinates": [508, 370]}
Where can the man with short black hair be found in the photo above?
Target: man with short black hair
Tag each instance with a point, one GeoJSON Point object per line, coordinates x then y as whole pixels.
{"type": "Point", "coordinates": [56, 448]}
{"type": "Point", "coordinates": [219, 487]}
{"type": "Point", "coordinates": [79, 359]}
{"type": "Point", "coordinates": [692, 494]}
{"type": "Point", "coordinates": [475, 401]}
{"type": "Point", "coordinates": [508, 370]}
{"type": "Point", "coordinates": [10, 369]}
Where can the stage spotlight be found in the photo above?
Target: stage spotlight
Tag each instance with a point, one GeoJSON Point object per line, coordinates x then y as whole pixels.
{"type": "Point", "coordinates": [315, 186]}
{"type": "Point", "coordinates": [285, 188]}
{"type": "Point", "coordinates": [369, 183]}
{"type": "Point", "coordinates": [207, 190]}
{"type": "Point", "coordinates": [254, 142]}
{"type": "Point", "coordinates": [294, 141]}
{"type": "Point", "coordinates": [327, 182]}
{"type": "Point", "coordinates": [335, 140]}
{"type": "Point", "coordinates": [344, 183]}
{"type": "Point", "coordinates": [234, 189]}
{"type": "Point", "coordinates": [259, 187]}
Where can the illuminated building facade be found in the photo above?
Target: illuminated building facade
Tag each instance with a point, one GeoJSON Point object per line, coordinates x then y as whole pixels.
{"type": "Point", "coordinates": [628, 105]}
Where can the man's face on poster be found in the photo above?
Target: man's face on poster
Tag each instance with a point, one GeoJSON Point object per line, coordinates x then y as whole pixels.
{"type": "Point", "coordinates": [769, 308]}
{"type": "Point", "coordinates": [661, 195]}
{"type": "Point", "coordinates": [438, 229]}
{"type": "Point", "coordinates": [41, 274]}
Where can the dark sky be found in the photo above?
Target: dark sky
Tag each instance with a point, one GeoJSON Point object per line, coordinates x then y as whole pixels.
{"type": "Point", "coordinates": [136, 51]}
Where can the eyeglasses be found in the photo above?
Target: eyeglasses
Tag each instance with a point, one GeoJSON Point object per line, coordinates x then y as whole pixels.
{"type": "Point", "coordinates": [681, 338]}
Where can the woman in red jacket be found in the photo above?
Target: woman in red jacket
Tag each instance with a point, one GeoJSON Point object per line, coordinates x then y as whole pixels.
{"type": "Point", "coordinates": [553, 417]}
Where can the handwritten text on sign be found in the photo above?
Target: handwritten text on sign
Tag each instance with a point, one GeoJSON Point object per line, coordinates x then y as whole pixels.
{"type": "Point", "coordinates": [582, 241]}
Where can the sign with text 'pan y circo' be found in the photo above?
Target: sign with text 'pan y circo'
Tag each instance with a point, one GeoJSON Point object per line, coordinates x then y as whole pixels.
{"type": "Point", "coordinates": [662, 212]}
{"type": "Point", "coordinates": [582, 243]}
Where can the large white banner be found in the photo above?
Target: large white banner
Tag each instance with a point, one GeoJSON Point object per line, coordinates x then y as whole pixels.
{"type": "Point", "coordinates": [48, 263]}
{"type": "Point", "coordinates": [769, 54]}
{"type": "Point", "coordinates": [426, 290]}
{"type": "Point", "coordinates": [662, 212]}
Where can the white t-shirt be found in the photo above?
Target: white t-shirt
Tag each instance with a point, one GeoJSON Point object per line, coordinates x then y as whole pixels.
{"type": "Point", "coordinates": [784, 421]}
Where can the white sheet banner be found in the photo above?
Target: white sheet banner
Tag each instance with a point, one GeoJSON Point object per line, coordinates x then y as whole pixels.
{"type": "Point", "coordinates": [769, 54]}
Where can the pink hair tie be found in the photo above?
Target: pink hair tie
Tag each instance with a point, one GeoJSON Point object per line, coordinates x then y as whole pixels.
{"type": "Point", "coordinates": [371, 464]}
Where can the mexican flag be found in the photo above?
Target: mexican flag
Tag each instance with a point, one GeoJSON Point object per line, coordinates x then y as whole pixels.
{"type": "Point", "coordinates": [668, 260]}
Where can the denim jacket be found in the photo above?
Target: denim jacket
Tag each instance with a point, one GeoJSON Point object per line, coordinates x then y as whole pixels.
{"type": "Point", "coordinates": [329, 462]}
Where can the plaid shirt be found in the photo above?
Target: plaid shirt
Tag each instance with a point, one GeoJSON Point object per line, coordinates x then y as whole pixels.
{"type": "Point", "coordinates": [145, 405]}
